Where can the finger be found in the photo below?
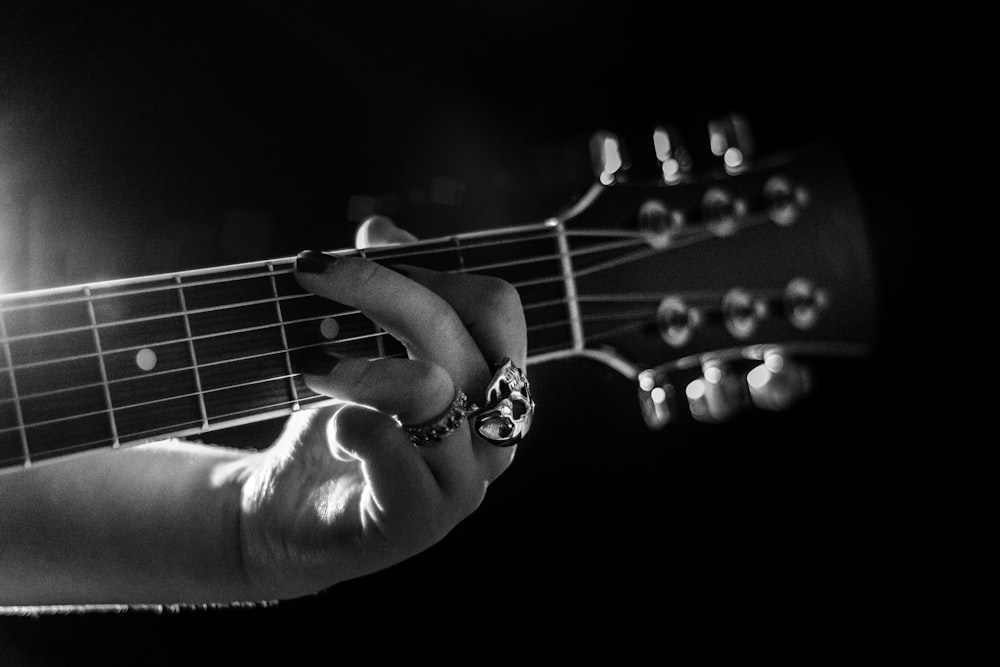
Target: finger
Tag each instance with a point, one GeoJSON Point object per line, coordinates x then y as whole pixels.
{"type": "Point", "coordinates": [378, 230]}
{"type": "Point", "coordinates": [400, 480]}
{"type": "Point", "coordinates": [489, 308]}
{"type": "Point", "coordinates": [423, 321]}
{"type": "Point", "coordinates": [413, 391]}
{"type": "Point", "coordinates": [491, 311]}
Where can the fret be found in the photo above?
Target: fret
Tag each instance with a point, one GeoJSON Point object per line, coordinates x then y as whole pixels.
{"type": "Point", "coordinates": [572, 305]}
{"type": "Point", "coordinates": [458, 249]}
{"type": "Point", "coordinates": [104, 371]}
{"type": "Point", "coordinates": [61, 390]}
{"type": "Point", "coordinates": [284, 339]}
{"type": "Point", "coordinates": [15, 402]}
{"type": "Point", "coordinates": [379, 343]}
{"type": "Point", "coordinates": [191, 351]}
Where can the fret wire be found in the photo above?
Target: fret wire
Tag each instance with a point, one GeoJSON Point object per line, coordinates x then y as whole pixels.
{"type": "Point", "coordinates": [461, 255]}
{"type": "Point", "coordinates": [284, 339]}
{"type": "Point", "coordinates": [14, 393]}
{"type": "Point", "coordinates": [191, 351]}
{"type": "Point", "coordinates": [378, 330]}
{"type": "Point", "coordinates": [569, 282]}
{"type": "Point", "coordinates": [104, 371]}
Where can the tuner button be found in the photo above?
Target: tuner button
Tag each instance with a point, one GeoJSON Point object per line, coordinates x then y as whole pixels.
{"type": "Point", "coordinates": [608, 157]}
{"type": "Point", "coordinates": [659, 222]}
{"type": "Point", "coordinates": [718, 395]}
{"type": "Point", "coordinates": [778, 383]}
{"type": "Point", "coordinates": [730, 139]}
{"type": "Point", "coordinates": [742, 313]}
{"type": "Point", "coordinates": [657, 400]}
{"type": "Point", "coordinates": [784, 201]}
{"type": "Point", "coordinates": [721, 212]}
{"type": "Point", "coordinates": [674, 158]}
{"type": "Point", "coordinates": [804, 302]}
{"type": "Point", "coordinates": [676, 321]}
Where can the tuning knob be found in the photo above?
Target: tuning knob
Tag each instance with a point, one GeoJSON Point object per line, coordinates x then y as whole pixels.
{"type": "Point", "coordinates": [608, 157]}
{"type": "Point", "coordinates": [657, 400]}
{"type": "Point", "coordinates": [718, 395]}
{"type": "Point", "coordinates": [730, 139]}
{"type": "Point", "coordinates": [674, 159]}
{"type": "Point", "coordinates": [778, 382]}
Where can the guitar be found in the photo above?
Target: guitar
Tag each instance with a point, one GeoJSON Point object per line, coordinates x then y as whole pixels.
{"type": "Point", "coordinates": [718, 282]}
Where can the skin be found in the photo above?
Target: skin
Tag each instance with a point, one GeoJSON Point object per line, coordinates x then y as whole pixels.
{"type": "Point", "coordinates": [340, 494]}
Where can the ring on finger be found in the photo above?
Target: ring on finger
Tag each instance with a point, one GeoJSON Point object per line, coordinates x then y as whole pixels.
{"type": "Point", "coordinates": [509, 409]}
{"type": "Point", "coordinates": [435, 429]}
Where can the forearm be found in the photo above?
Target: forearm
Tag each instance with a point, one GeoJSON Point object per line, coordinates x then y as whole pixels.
{"type": "Point", "coordinates": [151, 524]}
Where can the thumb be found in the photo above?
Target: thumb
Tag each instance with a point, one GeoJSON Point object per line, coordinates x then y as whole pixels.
{"type": "Point", "coordinates": [378, 230]}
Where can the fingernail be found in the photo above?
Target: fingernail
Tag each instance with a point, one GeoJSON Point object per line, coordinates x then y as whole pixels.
{"type": "Point", "coordinates": [313, 261]}
{"type": "Point", "coordinates": [318, 363]}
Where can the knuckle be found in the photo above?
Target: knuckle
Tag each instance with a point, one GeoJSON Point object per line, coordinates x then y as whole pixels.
{"type": "Point", "coordinates": [501, 293]}
{"type": "Point", "coordinates": [432, 378]}
{"type": "Point", "coordinates": [360, 271]}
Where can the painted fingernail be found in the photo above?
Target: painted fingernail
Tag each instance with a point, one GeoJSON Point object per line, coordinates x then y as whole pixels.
{"type": "Point", "coordinates": [318, 363]}
{"type": "Point", "coordinates": [313, 261]}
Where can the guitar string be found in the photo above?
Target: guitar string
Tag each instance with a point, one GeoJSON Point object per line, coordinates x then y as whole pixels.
{"type": "Point", "coordinates": [642, 317]}
{"type": "Point", "coordinates": [381, 254]}
{"type": "Point", "coordinates": [599, 298]}
{"type": "Point", "coordinates": [686, 235]}
{"type": "Point", "coordinates": [696, 237]}
{"type": "Point", "coordinates": [247, 276]}
{"type": "Point", "coordinates": [585, 271]}
{"type": "Point", "coordinates": [271, 300]}
{"type": "Point", "coordinates": [287, 406]}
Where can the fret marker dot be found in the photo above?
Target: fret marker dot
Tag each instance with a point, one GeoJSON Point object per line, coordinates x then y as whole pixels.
{"type": "Point", "coordinates": [329, 328]}
{"type": "Point", "coordinates": [146, 359]}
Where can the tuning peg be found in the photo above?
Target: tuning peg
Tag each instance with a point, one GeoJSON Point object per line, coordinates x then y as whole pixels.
{"type": "Point", "coordinates": [778, 382]}
{"type": "Point", "coordinates": [608, 156]}
{"type": "Point", "coordinates": [730, 138]}
{"type": "Point", "coordinates": [657, 400]}
{"type": "Point", "coordinates": [673, 156]}
{"type": "Point", "coordinates": [718, 395]}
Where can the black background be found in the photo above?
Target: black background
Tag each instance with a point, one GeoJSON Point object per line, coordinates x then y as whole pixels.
{"type": "Point", "coordinates": [790, 534]}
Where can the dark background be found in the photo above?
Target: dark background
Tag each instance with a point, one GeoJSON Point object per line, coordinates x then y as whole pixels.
{"type": "Point", "coordinates": [136, 141]}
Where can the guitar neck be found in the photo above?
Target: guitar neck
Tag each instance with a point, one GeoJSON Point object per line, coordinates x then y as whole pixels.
{"type": "Point", "coordinates": [122, 362]}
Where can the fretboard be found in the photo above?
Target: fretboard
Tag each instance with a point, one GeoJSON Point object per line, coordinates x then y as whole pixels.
{"type": "Point", "coordinates": [127, 361]}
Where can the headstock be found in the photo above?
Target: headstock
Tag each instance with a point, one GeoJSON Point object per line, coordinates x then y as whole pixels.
{"type": "Point", "coordinates": [725, 278]}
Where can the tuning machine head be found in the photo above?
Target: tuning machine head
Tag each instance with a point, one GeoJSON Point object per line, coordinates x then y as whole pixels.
{"type": "Point", "coordinates": [672, 155]}
{"type": "Point", "coordinates": [778, 382]}
{"type": "Point", "coordinates": [608, 157]}
{"type": "Point", "coordinates": [657, 399]}
{"type": "Point", "coordinates": [718, 395]}
{"type": "Point", "coordinates": [730, 138]}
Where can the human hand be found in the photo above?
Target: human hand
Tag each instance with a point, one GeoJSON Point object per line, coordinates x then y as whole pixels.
{"type": "Point", "coordinates": [343, 492]}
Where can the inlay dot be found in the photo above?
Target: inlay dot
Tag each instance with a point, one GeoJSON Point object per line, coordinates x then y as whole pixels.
{"type": "Point", "coordinates": [329, 328]}
{"type": "Point", "coordinates": [145, 359]}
